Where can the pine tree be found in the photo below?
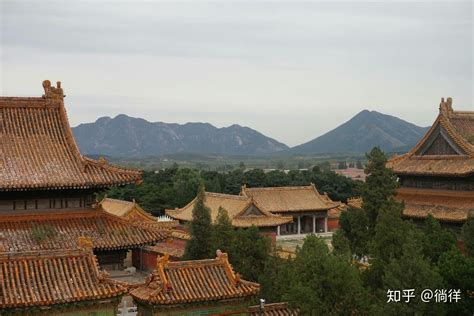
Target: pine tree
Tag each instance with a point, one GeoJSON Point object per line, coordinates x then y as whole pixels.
{"type": "Point", "coordinates": [410, 271]}
{"type": "Point", "coordinates": [249, 253]}
{"type": "Point", "coordinates": [468, 235]}
{"type": "Point", "coordinates": [436, 240]}
{"type": "Point", "coordinates": [341, 245]}
{"type": "Point", "coordinates": [387, 245]}
{"type": "Point", "coordinates": [380, 186]}
{"type": "Point", "coordinates": [224, 233]}
{"type": "Point", "coordinates": [200, 230]}
{"type": "Point", "coordinates": [457, 271]}
{"type": "Point", "coordinates": [355, 225]}
{"type": "Point", "coordinates": [324, 284]}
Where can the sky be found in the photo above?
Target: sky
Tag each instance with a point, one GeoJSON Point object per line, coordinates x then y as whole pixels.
{"type": "Point", "coordinates": [291, 70]}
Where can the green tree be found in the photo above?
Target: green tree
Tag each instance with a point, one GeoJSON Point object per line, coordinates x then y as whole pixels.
{"type": "Point", "coordinates": [380, 186]}
{"type": "Point", "coordinates": [200, 230]}
{"type": "Point", "coordinates": [410, 271]}
{"type": "Point", "coordinates": [276, 178]}
{"type": "Point", "coordinates": [457, 271]}
{"type": "Point", "coordinates": [324, 284]}
{"type": "Point", "coordinates": [387, 244]}
{"type": "Point", "coordinates": [468, 235]}
{"type": "Point", "coordinates": [342, 165]}
{"type": "Point", "coordinates": [274, 279]}
{"type": "Point", "coordinates": [255, 178]}
{"type": "Point", "coordinates": [436, 240]}
{"type": "Point", "coordinates": [359, 165]}
{"type": "Point", "coordinates": [224, 233]}
{"type": "Point", "coordinates": [249, 253]}
{"type": "Point", "coordinates": [185, 183]}
{"type": "Point", "coordinates": [341, 245]}
{"type": "Point", "coordinates": [234, 181]}
{"type": "Point", "coordinates": [355, 225]}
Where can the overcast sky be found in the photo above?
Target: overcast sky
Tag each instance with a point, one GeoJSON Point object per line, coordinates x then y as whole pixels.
{"type": "Point", "coordinates": [292, 71]}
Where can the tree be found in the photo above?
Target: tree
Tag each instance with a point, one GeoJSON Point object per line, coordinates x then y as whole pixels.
{"type": "Point", "coordinates": [436, 240]}
{"type": "Point", "coordinates": [185, 183]}
{"type": "Point", "coordinates": [380, 186]}
{"type": "Point", "coordinates": [324, 284]}
{"type": "Point", "coordinates": [234, 181]}
{"type": "Point", "coordinates": [387, 244]}
{"type": "Point", "coordinates": [274, 279]}
{"type": "Point", "coordinates": [200, 230]}
{"type": "Point", "coordinates": [457, 271]}
{"type": "Point", "coordinates": [355, 225]}
{"type": "Point", "coordinates": [468, 235]}
{"type": "Point", "coordinates": [410, 271]}
{"type": "Point", "coordinates": [276, 178]}
{"type": "Point", "coordinates": [255, 178]}
{"type": "Point", "coordinates": [223, 232]}
{"type": "Point", "coordinates": [359, 165]}
{"type": "Point", "coordinates": [341, 245]}
{"type": "Point", "coordinates": [342, 165]}
{"type": "Point", "coordinates": [249, 253]}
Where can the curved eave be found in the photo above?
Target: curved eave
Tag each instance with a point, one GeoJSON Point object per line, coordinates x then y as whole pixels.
{"type": "Point", "coordinates": [253, 289]}
{"type": "Point", "coordinates": [272, 221]}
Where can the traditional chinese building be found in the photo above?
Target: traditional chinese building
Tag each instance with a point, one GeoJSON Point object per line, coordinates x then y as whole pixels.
{"type": "Point", "coordinates": [437, 176]}
{"type": "Point", "coordinates": [174, 247]}
{"type": "Point", "coordinates": [199, 287]}
{"type": "Point", "coordinates": [47, 187]}
{"type": "Point", "coordinates": [134, 213]}
{"type": "Point", "coordinates": [243, 212]}
{"type": "Point", "coordinates": [57, 282]}
{"type": "Point", "coordinates": [308, 208]}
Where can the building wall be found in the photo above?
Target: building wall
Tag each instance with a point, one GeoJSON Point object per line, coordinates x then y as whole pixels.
{"type": "Point", "coordinates": [144, 260]}
{"type": "Point", "coordinates": [333, 224]}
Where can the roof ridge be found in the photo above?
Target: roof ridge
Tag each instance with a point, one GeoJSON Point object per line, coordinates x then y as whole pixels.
{"type": "Point", "coordinates": [295, 187]}
{"type": "Point", "coordinates": [118, 200]}
{"type": "Point", "coordinates": [40, 254]}
{"type": "Point", "coordinates": [226, 195]}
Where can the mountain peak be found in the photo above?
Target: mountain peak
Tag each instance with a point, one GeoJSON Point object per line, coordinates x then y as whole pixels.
{"type": "Point", "coordinates": [364, 131]}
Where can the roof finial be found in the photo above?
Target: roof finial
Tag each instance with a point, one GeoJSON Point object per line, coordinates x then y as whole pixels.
{"type": "Point", "coordinates": [52, 92]}
{"type": "Point", "coordinates": [446, 106]}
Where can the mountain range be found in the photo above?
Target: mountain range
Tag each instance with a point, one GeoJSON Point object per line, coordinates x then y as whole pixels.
{"type": "Point", "coordinates": [124, 136]}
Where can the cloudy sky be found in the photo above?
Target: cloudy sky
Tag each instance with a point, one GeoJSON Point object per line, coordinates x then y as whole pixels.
{"type": "Point", "coordinates": [291, 70]}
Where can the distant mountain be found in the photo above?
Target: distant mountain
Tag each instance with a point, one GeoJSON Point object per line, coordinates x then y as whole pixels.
{"type": "Point", "coordinates": [364, 131]}
{"type": "Point", "coordinates": [125, 136]}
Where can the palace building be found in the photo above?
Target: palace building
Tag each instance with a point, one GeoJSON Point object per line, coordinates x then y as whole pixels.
{"type": "Point", "coordinates": [243, 212]}
{"type": "Point", "coordinates": [47, 187]}
{"type": "Point", "coordinates": [134, 213]}
{"type": "Point", "coordinates": [437, 176]}
{"type": "Point", "coordinates": [57, 282]}
{"type": "Point", "coordinates": [198, 287]}
{"type": "Point", "coordinates": [309, 209]}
